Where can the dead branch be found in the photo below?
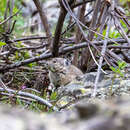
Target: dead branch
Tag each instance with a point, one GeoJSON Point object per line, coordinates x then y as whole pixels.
{"type": "Point", "coordinates": [49, 55]}
{"type": "Point", "coordinates": [32, 96]}
{"type": "Point", "coordinates": [44, 20]}
{"type": "Point", "coordinates": [101, 60]}
{"type": "Point", "coordinates": [55, 44]}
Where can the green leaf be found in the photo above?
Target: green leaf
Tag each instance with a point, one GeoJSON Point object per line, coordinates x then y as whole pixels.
{"type": "Point", "coordinates": [32, 64]}
{"type": "Point", "coordinates": [2, 44]}
{"type": "Point", "coordinates": [53, 96]}
{"type": "Point", "coordinates": [118, 71]}
{"type": "Point", "coordinates": [113, 69]}
{"type": "Point", "coordinates": [121, 65]}
{"type": "Point", "coordinates": [115, 44]}
{"type": "Point", "coordinates": [15, 9]}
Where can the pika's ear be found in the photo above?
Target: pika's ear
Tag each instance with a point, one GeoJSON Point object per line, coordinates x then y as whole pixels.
{"type": "Point", "coordinates": [67, 62]}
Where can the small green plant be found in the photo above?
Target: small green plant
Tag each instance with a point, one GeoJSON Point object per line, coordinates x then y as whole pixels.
{"type": "Point", "coordinates": [2, 44]}
{"type": "Point", "coordinates": [119, 70]}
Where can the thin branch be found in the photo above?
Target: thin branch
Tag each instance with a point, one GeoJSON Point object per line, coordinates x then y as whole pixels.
{"type": "Point", "coordinates": [66, 5]}
{"type": "Point", "coordinates": [44, 20]}
{"type": "Point", "coordinates": [10, 17]}
{"type": "Point", "coordinates": [5, 13]}
{"type": "Point", "coordinates": [11, 13]}
{"type": "Point", "coordinates": [70, 26]}
{"type": "Point", "coordinates": [81, 3]}
{"type": "Point", "coordinates": [78, 35]}
{"type": "Point", "coordinates": [16, 96]}
{"type": "Point", "coordinates": [23, 48]}
{"type": "Point", "coordinates": [59, 26]}
{"type": "Point", "coordinates": [123, 32]}
{"type": "Point", "coordinates": [100, 61]}
{"type": "Point", "coordinates": [27, 38]}
{"type": "Point", "coordinates": [118, 47]}
{"type": "Point", "coordinates": [41, 100]}
{"type": "Point", "coordinates": [49, 55]}
{"type": "Point", "coordinates": [3, 85]}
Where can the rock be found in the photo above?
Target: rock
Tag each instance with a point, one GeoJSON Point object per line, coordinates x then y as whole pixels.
{"type": "Point", "coordinates": [17, 119]}
{"type": "Point", "coordinates": [109, 85]}
{"type": "Point", "coordinates": [94, 114]}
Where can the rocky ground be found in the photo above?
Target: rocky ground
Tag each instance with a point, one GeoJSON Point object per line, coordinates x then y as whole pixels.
{"type": "Point", "coordinates": [109, 86]}
{"type": "Point", "coordinates": [78, 110]}
{"type": "Point", "coordinates": [109, 110]}
{"type": "Point", "coordinates": [96, 115]}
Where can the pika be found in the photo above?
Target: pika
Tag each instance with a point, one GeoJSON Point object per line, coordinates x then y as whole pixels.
{"type": "Point", "coordinates": [62, 72]}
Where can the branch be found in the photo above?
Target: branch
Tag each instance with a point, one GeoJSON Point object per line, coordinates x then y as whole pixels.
{"type": "Point", "coordinates": [27, 38]}
{"type": "Point", "coordinates": [44, 20]}
{"type": "Point", "coordinates": [10, 17]}
{"type": "Point", "coordinates": [118, 25]}
{"type": "Point", "coordinates": [49, 55]}
{"type": "Point", "coordinates": [81, 3]}
{"type": "Point", "coordinates": [59, 26]}
{"type": "Point", "coordinates": [71, 25]}
{"type": "Point", "coordinates": [41, 100]}
{"type": "Point", "coordinates": [101, 60]}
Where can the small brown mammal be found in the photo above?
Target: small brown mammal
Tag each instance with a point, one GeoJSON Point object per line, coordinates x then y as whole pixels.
{"type": "Point", "coordinates": [62, 72]}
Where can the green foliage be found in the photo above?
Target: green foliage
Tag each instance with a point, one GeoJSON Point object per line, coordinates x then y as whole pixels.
{"type": "Point", "coordinates": [19, 19]}
{"type": "Point", "coordinates": [18, 101]}
{"type": "Point", "coordinates": [114, 34]}
{"type": "Point", "coordinates": [19, 24]}
{"type": "Point", "coordinates": [120, 68]}
{"type": "Point", "coordinates": [121, 65]}
{"type": "Point", "coordinates": [53, 96]}
{"type": "Point", "coordinates": [19, 56]}
{"type": "Point", "coordinates": [32, 64]}
{"type": "Point", "coordinates": [2, 8]}
{"type": "Point", "coordinates": [2, 44]}
{"type": "Point", "coordinates": [22, 55]}
{"type": "Point", "coordinates": [124, 1]}
{"type": "Point", "coordinates": [124, 26]}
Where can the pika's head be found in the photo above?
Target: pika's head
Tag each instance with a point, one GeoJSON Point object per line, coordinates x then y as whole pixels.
{"type": "Point", "coordinates": [57, 64]}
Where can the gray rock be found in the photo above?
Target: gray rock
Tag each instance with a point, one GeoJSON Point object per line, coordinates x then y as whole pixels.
{"type": "Point", "coordinates": [109, 85]}
{"type": "Point", "coordinates": [94, 114]}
